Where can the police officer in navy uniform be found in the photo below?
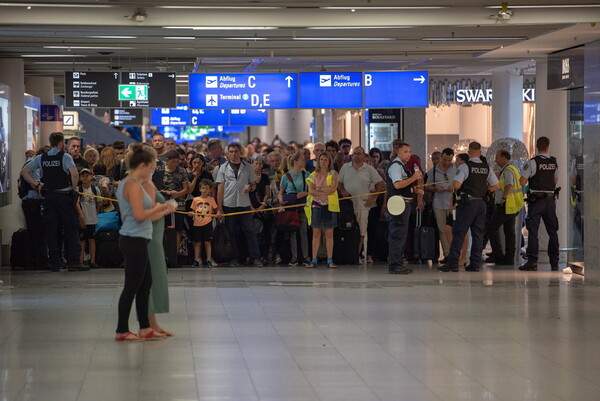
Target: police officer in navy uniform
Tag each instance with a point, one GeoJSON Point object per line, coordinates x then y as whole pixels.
{"type": "Point", "coordinates": [473, 180]}
{"type": "Point", "coordinates": [400, 182]}
{"type": "Point", "coordinates": [542, 173]}
{"type": "Point", "coordinates": [58, 183]}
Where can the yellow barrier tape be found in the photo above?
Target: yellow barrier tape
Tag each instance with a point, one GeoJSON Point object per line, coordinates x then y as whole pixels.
{"type": "Point", "coordinates": [262, 210]}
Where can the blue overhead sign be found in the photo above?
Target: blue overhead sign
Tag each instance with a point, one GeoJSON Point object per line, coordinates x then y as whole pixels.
{"type": "Point", "coordinates": [243, 91]}
{"type": "Point", "coordinates": [210, 117]}
{"type": "Point", "coordinates": [321, 90]}
{"type": "Point", "coordinates": [248, 117]}
{"type": "Point", "coordinates": [396, 89]}
{"type": "Point", "coordinates": [171, 117]}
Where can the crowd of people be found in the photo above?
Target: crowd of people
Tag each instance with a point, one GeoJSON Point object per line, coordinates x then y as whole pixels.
{"type": "Point", "coordinates": [299, 195]}
{"type": "Point", "coordinates": [251, 188]}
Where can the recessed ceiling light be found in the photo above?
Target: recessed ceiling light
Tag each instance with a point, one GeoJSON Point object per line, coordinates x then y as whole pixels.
{"type": "Point", "coordinates": [550, 6]}
{"type": "Point", "coordinates": [56, 5]}
{"type": "Point", "coordinates": [88, 47]}
{"type": "Point", "coordinates": [221, 28]}
{"type": "Point", "coordinates": [457, 39]}
{"type": "Point", "coordinates": [180, 37]}
{"type": "Point", "coordinates": [343, 39]}
{"type": "Point", "coordinates": [386, 8]}
{"type": "Point", "coordinates": [223, 7]}
{"type": "Point", "coordinates": [112, 37]}
{"type": "Point", "coordinates": [249, 39]}
{"type": "Point", "coordinates": [360, 27]}
{"type": "Point", "coordinates": [52, 55]}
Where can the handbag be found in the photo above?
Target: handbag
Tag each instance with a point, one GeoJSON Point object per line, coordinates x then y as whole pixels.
{"type": "Point", "coordinates": [287, 220]}
{"type": "Point", "coordinates": [292, 199]}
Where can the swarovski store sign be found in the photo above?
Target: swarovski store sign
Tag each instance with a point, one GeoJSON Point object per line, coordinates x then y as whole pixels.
{"type": "Point", "coordinates": [468, 91]}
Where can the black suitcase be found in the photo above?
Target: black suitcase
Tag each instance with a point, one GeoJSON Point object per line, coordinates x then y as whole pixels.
{"type": "Point", "coordinates": [345, 246]}
{"type": "Point", "coordinates": [20, 251]}
{"type": "Point", "coordinates": [108, 253]}
{"type": "Point", "coordinates": [222, 248]}
{"type": "Point", "coordinates": [424, 241]}
{"type": "Point", "coordinates": [381, 245]}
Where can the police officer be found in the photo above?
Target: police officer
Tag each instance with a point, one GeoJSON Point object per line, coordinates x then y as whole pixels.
{"type": "Point", "coordinates": [400, 182]}
{"type": "Point", "coordinates": [508, 203]}
{"type": "Point", "coordinates": [58, 183]}
{"type": "Point", "coordinates": [542, 173]}
{"type": "Point", "coordinates": [472, 181]}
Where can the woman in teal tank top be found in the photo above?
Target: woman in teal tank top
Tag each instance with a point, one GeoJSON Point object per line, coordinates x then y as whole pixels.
{"type": "Point", "coordinates": [138, 210]}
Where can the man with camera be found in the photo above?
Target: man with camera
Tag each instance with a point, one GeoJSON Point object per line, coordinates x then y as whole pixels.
{"type": "Point", "coordinates": [542, 174]}
{"type": "Point", "coordinates": [473, 179]}
{"type": "Point", "coordinates": [58, 183]}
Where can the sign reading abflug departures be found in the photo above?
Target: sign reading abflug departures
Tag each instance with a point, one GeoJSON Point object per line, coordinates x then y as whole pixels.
{"type": "Point", "coordinates": [322, 90]}
{"type": "Point", "coordinates": [396, 89]}
{"type": "Point", "coordinates": [243, 91]}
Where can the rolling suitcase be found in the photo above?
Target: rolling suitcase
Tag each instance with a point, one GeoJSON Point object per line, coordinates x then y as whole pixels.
{"type": "Point", "coordinates": [108, 253]}
{"type": "Point", "coordinates": [424, 241]}
{"type": "Point", "coordinates": [345, 245]}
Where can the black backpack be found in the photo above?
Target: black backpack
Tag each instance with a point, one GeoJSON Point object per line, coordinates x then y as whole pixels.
{"type": "Point", "coordinates": [23, 185]}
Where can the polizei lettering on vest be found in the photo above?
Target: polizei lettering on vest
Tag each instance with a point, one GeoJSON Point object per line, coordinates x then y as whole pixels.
{"type": "Point", "coordinates": [479, 170]}
{"type": "Point", "coordinates": [51, 163]}
{"type": "Point", "coordinates": [547, 166]}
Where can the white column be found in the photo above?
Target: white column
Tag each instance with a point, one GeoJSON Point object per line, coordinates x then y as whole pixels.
{"type": "Point", "coordinates": [507, 105]}
{"type": "Point", "coordinates": [11, 216]}
{"type": "Point", "coordinates": [551, 122]}
{"type": "Point", "coordinates": [43, 87]}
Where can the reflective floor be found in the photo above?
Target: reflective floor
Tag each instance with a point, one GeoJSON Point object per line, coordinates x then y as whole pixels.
{"type": "Point", "coordinates": [293, 334]}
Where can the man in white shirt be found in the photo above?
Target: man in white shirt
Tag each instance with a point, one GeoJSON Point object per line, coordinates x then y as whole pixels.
{"type": "Point", "coordinates": [357, 178]}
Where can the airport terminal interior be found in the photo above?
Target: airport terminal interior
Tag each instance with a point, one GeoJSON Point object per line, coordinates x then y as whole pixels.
{"type": "Point", "coordinates": [269, 74]}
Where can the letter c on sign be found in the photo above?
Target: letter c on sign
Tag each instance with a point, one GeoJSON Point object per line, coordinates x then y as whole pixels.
{"type": "Point", "coordinates": [251, 80]}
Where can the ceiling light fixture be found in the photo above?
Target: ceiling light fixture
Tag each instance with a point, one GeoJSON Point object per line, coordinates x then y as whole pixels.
{"type": "Point", "coordinates": [249, 39]}
{"type": "Point", "coordinates": [551, 6]}
{"type": "Point", "coordinates": [51, 55]}
{"type": "Point", "coordinates": [180, 37]}
{"type": "Point", "coordinates": [88, 47]}
{"type": "Point", "coordinates": [56, 5]}
{"type": "Point", "coordinates": [359, 27]}
{"type": "Point", "coordinates": [222, 7]}
{"type": "Point", "coordinates": [112, 37]}
{"type": "Point", "coordinates": [222, 28]}
{"type": "Point", "coordinates": [386, 8]}
{"type": "Point", "coordinates": [457, 39]}
{"type": "Point", "coordinates": [343, 39]}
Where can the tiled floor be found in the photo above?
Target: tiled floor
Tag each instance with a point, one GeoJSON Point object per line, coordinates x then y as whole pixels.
{"type": "Point", "coordinates": [279, 333]}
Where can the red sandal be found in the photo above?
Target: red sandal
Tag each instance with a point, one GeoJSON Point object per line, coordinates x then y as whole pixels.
{"type": "Point", "coordinates": [129, 336]}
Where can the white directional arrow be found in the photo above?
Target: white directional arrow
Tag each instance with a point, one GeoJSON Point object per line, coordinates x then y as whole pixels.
{"type": "Point", "coordinates": [289, 80]}
{"type": "Point", "coordinates": [421, 79]}
{"type": "Point", "coordinates": [116, 75]}
{"type": "Point", "coordinates": [126, 92]}
{"type": "Point", "coordinates": [172, 76]}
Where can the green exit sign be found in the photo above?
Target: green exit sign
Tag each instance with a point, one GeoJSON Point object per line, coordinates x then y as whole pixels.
{"type": "Point", "coordinates": [133, 92]}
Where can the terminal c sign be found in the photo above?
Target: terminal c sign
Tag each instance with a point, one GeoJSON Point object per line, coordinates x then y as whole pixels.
{"type": "Point", "coordinates": [485, 95]}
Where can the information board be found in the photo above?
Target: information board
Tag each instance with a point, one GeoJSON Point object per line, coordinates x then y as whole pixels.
{"type": "Point", "coordinates": [130, 117]}
{"type": "Point", "coordinates": [243, 91]}
{"type": "Point", "coordinates": [171, 117]}
{"type": "Point", "coordinates": [91, 89]}
{"type": "Point", "coordinates": [248, 117]}
{"type": "Point", "coordinates": [396, 89]}
{"type": "Point", "coordinates": [210, 117]}
{"type": "Point", "coordinates": [322, 90]}
{"type": "Point", "coordinates": [160, 89]}
{"type": "Point", "coordinates": [119, 90]}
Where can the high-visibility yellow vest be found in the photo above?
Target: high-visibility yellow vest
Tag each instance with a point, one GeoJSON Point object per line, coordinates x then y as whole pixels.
{"type": "Point", "coordinates": [515, 200]}
{"type": "Point", "coordinates": [333, 203]}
